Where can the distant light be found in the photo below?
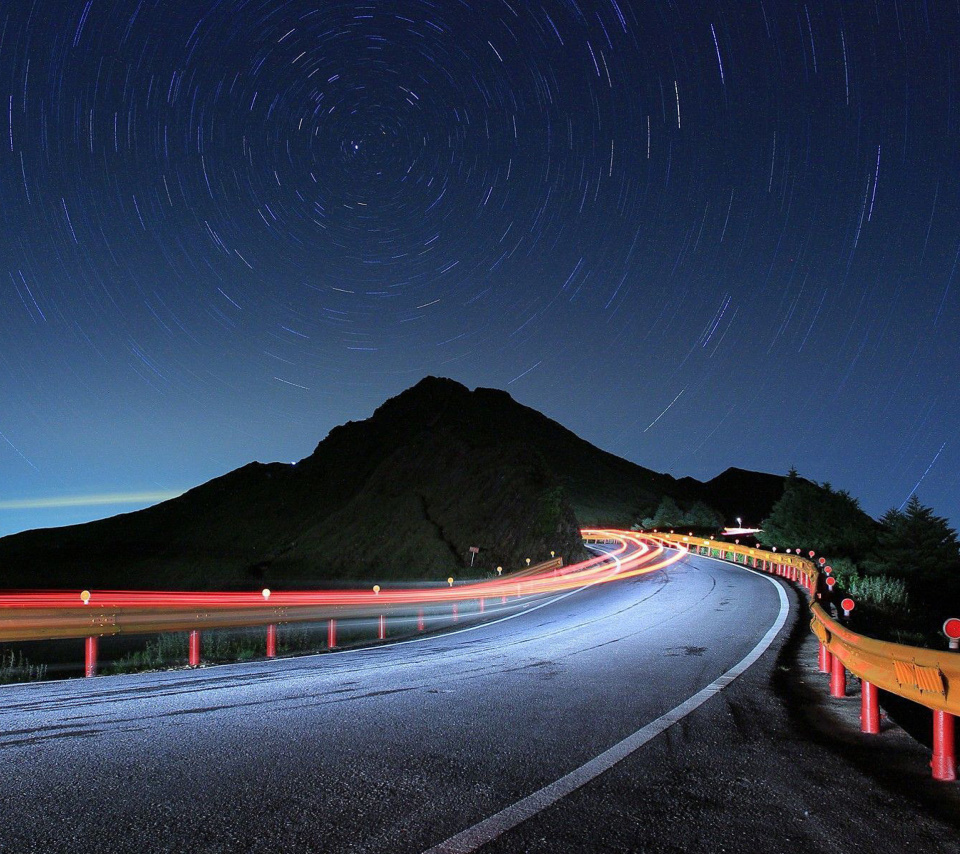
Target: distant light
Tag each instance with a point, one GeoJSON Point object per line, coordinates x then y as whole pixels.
{"type": "Point", "coordinates": [266, 593]}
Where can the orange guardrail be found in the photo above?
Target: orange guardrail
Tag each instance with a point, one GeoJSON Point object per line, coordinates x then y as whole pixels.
{"type": "Point", "coordinates": [928, 677]}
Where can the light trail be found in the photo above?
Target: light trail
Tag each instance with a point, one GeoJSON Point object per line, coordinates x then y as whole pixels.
{"type": "Point", "coordinates": [36, 614]}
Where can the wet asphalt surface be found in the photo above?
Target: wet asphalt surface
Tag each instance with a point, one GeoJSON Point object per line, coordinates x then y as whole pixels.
{"type": "Point", "coordinates": [396, 748]}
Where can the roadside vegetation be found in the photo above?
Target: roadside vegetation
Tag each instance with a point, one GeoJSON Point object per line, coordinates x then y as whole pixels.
{"type": "Point", "coordinates": [903, 570]}
{"type": "Point", "coordinates": [220, 646]}
{"type": "Point", "coordinates": [15, 668]}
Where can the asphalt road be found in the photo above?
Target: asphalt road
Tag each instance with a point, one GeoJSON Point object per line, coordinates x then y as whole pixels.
{"type": "Point", "coordinates": [394, 748]}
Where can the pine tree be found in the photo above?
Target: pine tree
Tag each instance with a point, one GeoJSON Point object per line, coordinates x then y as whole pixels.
{"type": "Point", "coordinates": [916, 542]}
{"type": "Point", "coordinates": [819, 518]}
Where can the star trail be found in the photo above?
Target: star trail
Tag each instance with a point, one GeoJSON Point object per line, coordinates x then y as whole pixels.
{"type": "Point", "coordinates": [698, 235]}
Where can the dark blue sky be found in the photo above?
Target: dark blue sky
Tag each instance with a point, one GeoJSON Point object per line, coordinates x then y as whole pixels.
{"type": "Point", "coordinates": [697, 234]}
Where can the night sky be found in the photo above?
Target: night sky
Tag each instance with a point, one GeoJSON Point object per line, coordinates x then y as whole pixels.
{"type": "Point", "coordinates": [697, 234]}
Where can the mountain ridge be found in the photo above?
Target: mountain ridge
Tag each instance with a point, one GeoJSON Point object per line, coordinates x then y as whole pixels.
{"type": "Point", "coordinates": [402, 494]}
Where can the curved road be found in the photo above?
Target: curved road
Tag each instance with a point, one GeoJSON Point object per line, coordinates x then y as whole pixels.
{"type": "Point", "coordinates": [394, 748]}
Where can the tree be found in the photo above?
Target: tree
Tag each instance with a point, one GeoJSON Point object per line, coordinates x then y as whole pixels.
{"type": "Point", "coordinates": [818, 517]}
{"type": "Point", "coordinates": [668, 514]}
{"type": "Point", "coordinates": [702, 515]}
{"type": "Point", "coordinates": [915, 542]}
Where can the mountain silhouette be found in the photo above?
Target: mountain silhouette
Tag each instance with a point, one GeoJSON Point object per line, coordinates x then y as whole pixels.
{"type": "Point", "coordinates": [404, 494]}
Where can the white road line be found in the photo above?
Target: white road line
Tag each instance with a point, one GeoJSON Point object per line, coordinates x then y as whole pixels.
{"type": "Point", "coordinates": [490, 828]}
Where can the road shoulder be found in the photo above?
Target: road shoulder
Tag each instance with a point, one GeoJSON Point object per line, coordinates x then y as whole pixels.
{"type": "Point", "coordinates": [772, 764]}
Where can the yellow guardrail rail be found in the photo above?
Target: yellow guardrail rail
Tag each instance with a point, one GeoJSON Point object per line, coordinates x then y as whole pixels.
{"type": "Point", "coordinates": [926, 676]}
{"type": "Point", "coordinates": [930, 677]}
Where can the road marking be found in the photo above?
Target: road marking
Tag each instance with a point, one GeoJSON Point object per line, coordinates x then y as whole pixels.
{"type": "Point", "coordinates": [496, 825]}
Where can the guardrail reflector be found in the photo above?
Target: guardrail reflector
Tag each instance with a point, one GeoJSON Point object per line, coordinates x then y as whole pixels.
{"type": "Point", "coordinates": [930, 679]}
{"type": "Point", "coordinates": [904, 672]}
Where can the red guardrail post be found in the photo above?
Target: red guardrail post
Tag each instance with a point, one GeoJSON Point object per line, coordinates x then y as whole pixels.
{"type": "Point", "coordinates": [823, 661]}
{"type": "Point", "coordinates": [838, 678]}
{"type": "Point", "coordinates": [944, 762]}
{"type": "Point", "coordinates": [869, 709]}
{"type": "Point", "coordinates": [420, 620]}
{"type": "Point", "coordinates": [90, 656]}
{"type": "Point", "coordinates": [382, 628]}
{"type": "Point", "coordinates": [481, 606]}
{"type": "Point", "coordinates": [194, 648]}
{"type": "Point", "coordinates": [331, 634]}
{"type": "Point", "coordinates": [271, 641]}
{"type": "Point", "coordinates": [456, 614]}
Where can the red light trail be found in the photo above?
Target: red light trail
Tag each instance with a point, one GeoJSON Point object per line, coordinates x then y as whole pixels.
{"type": "Point", "coordinates": [74, 613]}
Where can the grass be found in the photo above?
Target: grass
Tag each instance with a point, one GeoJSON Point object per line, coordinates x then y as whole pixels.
{"type": "Point", "coordinates": [219, 646]}
{"type": "Point", "coordinates": [164, 651]}
{"type": "Point", "coordinates": [15, 668]}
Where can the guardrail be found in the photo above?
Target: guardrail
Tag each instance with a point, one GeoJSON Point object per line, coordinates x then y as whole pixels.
{"type": "Point", "coordinates": [42, 615]}
{"type": "Point", "coordinates": [928, 677]}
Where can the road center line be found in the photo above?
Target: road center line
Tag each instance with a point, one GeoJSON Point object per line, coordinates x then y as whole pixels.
{"type": "Point", "coordinates": [490, 828]}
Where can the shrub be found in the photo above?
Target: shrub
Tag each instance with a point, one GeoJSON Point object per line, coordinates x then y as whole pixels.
{"type": "Point", "coordinates": [881, 591]}
{"type": "Point", "coordinates": [844, 570]}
